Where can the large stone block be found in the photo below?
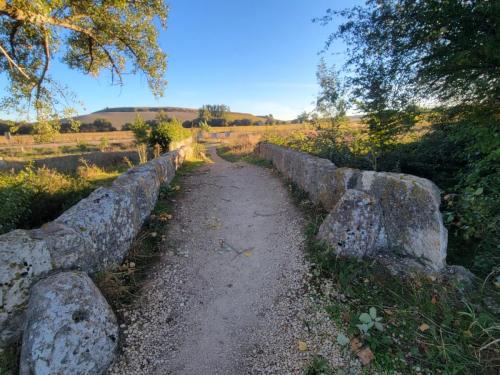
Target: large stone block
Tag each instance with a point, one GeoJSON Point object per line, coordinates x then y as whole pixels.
{"type": "Point", "coordinates": [107, 218]}
{"type": "Point", "coordinates": [23, 260]}
{"type": "Point", "coordinates": [355, 226]}
{"type": "Point", "coordinates": [412, 219]}
{"type": "Point", "coordinates": [67, 247]}
{"type": "Point", "coordinates": [70, 328]}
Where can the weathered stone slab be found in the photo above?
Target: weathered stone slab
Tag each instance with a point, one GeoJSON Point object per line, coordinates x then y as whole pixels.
{"type": "Point", "coordinates": [107, 219]}
{"type": "Point", "coordinates": [355, 226]}
{"type": "Point", "coordinates": [23, 260]}
{"type": "Point", "coordinates": [67, 247]}
{"type": "Point", "coordinates": [70, 328]}
{"type": "Point", "coordinates": [412, 219]}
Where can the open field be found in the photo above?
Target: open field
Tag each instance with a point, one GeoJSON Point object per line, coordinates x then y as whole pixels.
{"type": "Point", "coordinates": [68, 139]}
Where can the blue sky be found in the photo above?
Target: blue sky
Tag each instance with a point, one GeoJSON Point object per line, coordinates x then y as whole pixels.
{"type": "Point", "coordinates": [256, 56]}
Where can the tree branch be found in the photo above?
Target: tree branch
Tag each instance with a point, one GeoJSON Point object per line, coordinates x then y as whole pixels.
{"type": "Point", "coordinates": [12, 63]}
{"type": "Point", "coordinates": [38, 19]}
{"type": "Point", "coordinates": [40, 80]}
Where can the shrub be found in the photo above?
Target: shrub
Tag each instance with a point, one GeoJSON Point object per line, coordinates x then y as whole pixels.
{"type": "Point", "coordinates": [167, 132]}
{"type": "Point", "coordinates": [217, 122]}
{"type": "Point", "coordinates": [35, 196]}
{"type": "Point", "coordinates": [140, 130]}
{"type": "Point", "coordinates": [205, 127]}
{"type": "Point", "coordinates": [31, 197]}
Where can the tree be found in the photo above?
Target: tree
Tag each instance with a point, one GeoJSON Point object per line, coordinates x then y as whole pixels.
{"type": "Point", "coordinates": [140, 130]}
{"type": "Point", "coordinates": [204, 114]}
{"type": "Point", "coordinates": [429, 49]}
{"type": "Point", "coordinates": [330, 103]}
{"type": "Point", "coordinates": [89, 36]}
{"type": "Point", "coordinates": [302, 118]}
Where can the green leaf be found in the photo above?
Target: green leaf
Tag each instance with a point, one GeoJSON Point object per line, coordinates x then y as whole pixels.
{"type": "Point", "coordinates": [379, 326]}
{"type": "Point", "coordinates": [373, 312]}
{"type": "Point", "coordinates": [365, 318]}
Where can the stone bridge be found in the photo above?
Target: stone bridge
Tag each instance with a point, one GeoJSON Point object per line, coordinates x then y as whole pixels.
{"type": "Point", "coordinates": [49, 302]}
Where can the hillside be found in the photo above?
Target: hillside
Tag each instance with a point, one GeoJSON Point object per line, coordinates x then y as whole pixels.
{"type": "Point", "coordinates": [121, 115]}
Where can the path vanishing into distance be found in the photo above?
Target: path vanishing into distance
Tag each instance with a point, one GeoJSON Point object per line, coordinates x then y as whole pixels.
{"type": "Point", "coordinates": [230, 294]}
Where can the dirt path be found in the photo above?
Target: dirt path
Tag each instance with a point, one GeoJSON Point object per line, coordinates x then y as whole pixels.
{"type": "Point", "coordinates": [228, 296]}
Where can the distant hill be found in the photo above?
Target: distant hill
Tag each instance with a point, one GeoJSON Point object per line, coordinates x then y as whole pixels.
{"type": "Point", "coordinates": [121, 115]}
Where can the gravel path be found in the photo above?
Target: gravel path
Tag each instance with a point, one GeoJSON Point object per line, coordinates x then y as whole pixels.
{"type": "Point", "coordinates": [229, 296]}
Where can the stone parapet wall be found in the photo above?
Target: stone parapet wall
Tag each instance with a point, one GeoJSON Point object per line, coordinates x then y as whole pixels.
{"type": "Point", "coordinates": [371, 213]}
{"type": "Point", "coordinates": [92, 236]}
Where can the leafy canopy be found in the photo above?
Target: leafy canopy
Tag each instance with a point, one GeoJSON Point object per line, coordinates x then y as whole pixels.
{"type": "Point", "coordinates": [445, 51]}
{"type": "Point", "coordinates": [118, 36]}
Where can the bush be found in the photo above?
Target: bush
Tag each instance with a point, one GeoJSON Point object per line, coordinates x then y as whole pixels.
{"type": "Point", "coordinates": [140, 130]}
{"type": "Point", "coordinates": [205, 127]}
{"type": "Point", "coordinates": [242, 122]}
{"type": "Point", "coordinates": [217, 122]}
{"type": "Point", "coordinates": [32, 197]}
{"type": "Point", "coordinates": [167, 132]}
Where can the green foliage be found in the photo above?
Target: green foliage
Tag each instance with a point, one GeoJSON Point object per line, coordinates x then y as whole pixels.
{"type": "Point", "coordinates": [422, 49]}
{"type": "Point", "coordinates": [319, 366]}
{"type": "Point", "coordinates": [215, 115]}
{"type": "Point", "coordinates": [369, 320]}
{"type": "Point", "coordinates": [9, 358]}
{"type": "Point", "coordinates": [167, 132]}
{"type": "Point", "coordinates": [35, 196]}
{"type": "Point", "coordinates": [205, 127]}
{"type": "Point", "coordinates": [103, 144]}
{"type": "Point", "coordinates": [385, 127]}
{"type": "Point", "coordinates": [140, 130]}
{"type": "Point", "coordinates": [330, 103]}
{"type": "Point", "coordinates": [46, 130]}
{"type": "Point", "coordinates": [89, 36]}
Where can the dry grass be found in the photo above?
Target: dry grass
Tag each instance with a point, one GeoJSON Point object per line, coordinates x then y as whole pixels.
{"type": "Point", "coordinates": [69, 138]}
{"type": "Point", "coordinates": [260, 129]}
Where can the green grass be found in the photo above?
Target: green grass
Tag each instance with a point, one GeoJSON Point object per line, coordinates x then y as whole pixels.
{"type": "Point", "coordinates": [35, 196]}
{"type": "Point", "coordinates": [460, 326]}
{"type": "Point", "coordinates": [227, 153]}
{"type": "Point", "coordinates": [9, 361]}
{"type": "Point", "coordinates": [319, 366]}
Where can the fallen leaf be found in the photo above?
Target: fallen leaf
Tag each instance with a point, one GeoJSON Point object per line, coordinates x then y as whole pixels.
{"type": "Point", "coordinates": [424, 327]}
{"type": "Point", "coordinates": [434, 300]}
{"type": "Point", "coordinates": [365, 355]}
{"type": "Point", "coordinates": [355, 344]}
{"type": "Point", "coordinates": [247, 253]}
{"type": "Point", "coordinates": [346, 318]}
{"type": "Point", "coordinates": [302, 346]}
